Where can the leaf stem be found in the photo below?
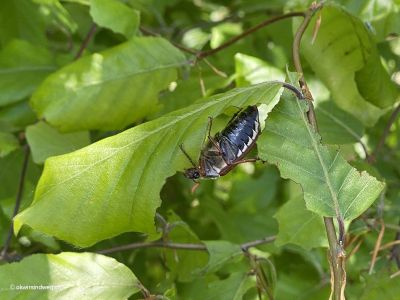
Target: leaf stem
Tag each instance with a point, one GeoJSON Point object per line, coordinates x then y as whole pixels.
{"type": "Point", "coordinates": [18, 199]}
{"type": "Point", "coordinates": [181, 246]}
{"type": "Point", "coordinates": [337, 256]}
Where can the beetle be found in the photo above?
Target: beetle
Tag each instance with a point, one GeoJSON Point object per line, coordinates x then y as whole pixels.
{"type": "Point", "coordinates": [227, 148]}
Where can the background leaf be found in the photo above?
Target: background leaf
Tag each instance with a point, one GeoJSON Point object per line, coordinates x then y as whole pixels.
{"type": "Point", "coordinates": [22, 68]}
{"type": "Point", "coordinates": [110, 89]}
{"type": "Point", "coordinates": [116, 181]}
{"type": "Point", "coordinates": [8, 143]}
{"type": "Point", "coordinates": [299, 226]}
{"type": "Point", "coordinates": [116, 16]}
{"type": "Point", "coordinates": [46, 141]}
{"type": "Point", "coordinates": [345, 58]}
{"type": "Point", "coordinates": [68, 275]}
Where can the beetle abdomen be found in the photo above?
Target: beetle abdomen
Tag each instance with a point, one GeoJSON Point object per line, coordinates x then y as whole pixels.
{"type": "Point", "coordinates": [240, 134]}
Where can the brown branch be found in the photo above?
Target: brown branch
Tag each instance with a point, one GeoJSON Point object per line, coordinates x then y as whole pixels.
{"type": "Point", "coordinates": [249, 31]}
{"type": "Point", "coordinates": [86, 41]}
{"type": "Point", "coordinates": [18, 199]}
{"type": "Point", "coordinates": [181, 246]}
{"type": "Point", "coordinates": [385, 134]}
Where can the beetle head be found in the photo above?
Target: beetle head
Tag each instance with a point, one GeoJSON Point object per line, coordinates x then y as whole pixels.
{"type": "Point", "coordinates": [192, 173]}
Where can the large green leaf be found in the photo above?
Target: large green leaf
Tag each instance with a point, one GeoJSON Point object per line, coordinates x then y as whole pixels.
{"type": "Point", "coordinates": [116, 181]}
{"type": "Point", "coordinates": [109, 89]}
{"type": "Point", "coordinates": [22, 68]}
{"type": "Point", "coordinates": [331, 186]}
{"type": "Point", "coordinates": [67, 276]}
{"type": "Point", "coordinates": [116, 16]}
{"type": "Point", "coordinates": [46, 141]}
{"type": "Point", "coordinates": [299, 226]}
{"type": "Point", "coordinates": [344, 56]}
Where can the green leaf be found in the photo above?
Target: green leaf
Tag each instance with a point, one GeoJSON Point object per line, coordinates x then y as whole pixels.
{"type": "Point", "coordinates": [221, 252]}
{"type": "Point", "coordinates": [22, 68]}
{"type": "Point", "coordinates": [46, 141]}
{"type": "Point", "coordinates": [252, 70]}
{"type": "Point", "coordinates": [8, 143]}
{"type": "Point", "coordinates": [182, 263]}
{"type": "Point", "coordinates": [344, 56]}
{"type": "Point", "coordinates": [67, 276]}
{"type": "Point", "coordinates": [21, 19]}
{"type": "Point", "coordinates": [110, 89]}
{"type": "Point", "coordinates": [116, 181]}
{"type": "Point", "coordinates": [331, 186]}
{"type": "Point", "coordinates": [381, 286]}
{"type": "Point", "coordinates": [16, 117]}
{"type": "Point", "coordinates": [232, 288]}
{"type": "Point", "coordinates": [299, 226]}
{"type": "Point", "coordinates": [336, 125]}
{"type": "Point", "coordinates": [116, 16]}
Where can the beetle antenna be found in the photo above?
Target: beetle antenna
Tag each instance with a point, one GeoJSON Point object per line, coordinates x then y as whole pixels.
{"type": "Point", "coordinates": [187, 155]}
{"type": "Point", "coordinates": [194, 187]}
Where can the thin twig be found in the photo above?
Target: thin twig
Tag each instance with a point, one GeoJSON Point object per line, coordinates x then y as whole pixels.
{"type": "Point", "coordinates": [377, 246]}
{"type": "Point", "coordinates": [249, 31]}
{"type": "Point", "coordinates": [181, 246]}
{"type": "Point", "coordinates": [395, 274]}
{"type": "Point", "coordinates": [354, 250]}
{"type": "Point", "coordinates": [86, 41]}
{"type": "Point", "coordinates": [385, 134]}
{"type": "Point", "coordinates": [390, 244]}
{"type": "Point", "coordinates": [17, 201]}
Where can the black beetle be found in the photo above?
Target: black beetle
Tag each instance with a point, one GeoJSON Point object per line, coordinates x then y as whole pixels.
{"type": "Point", "coordinates": [227, 148]}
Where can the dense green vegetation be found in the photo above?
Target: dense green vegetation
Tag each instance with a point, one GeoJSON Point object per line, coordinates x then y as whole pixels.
{"type": "Point", "coordinates": [96, 96]}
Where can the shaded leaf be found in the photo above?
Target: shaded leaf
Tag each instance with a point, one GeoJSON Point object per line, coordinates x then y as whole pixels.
{"type": "Point", "coordinates": [331, 186]}
{"type": "Point", "coordinates": [22, 68]}
{"type": "Point", "coordinates": [345, 58]}
{"type": "Point", "coordinates": [46, 141]}
{"type": "Point", "coordinates": [232, 288]}
{"type": "Point", "coordinates": [21, 19]}
{"type": "Point", "coordinates": [69, 276]}
{"type": "Point", "coordinates": [116, 16]}
{"type": "Point", "coordinates": [181, 262]}
{"type": "Point", "coordinates": [110, 89]}
{"type": "Point", "coordinates": [337, 126]}
{"type": "Point", "coordinates": [8, 143]}
{"type": "Point", "coordinates": [299, 226]}
{"type": "Point", "coordinates": [381, 286]}
{"type": "Point", "coordinates": [116, 181]}
{"type": "Point", "coordinates": [15, 117]}
{"type": "Point", "coordinates": [221, 252]}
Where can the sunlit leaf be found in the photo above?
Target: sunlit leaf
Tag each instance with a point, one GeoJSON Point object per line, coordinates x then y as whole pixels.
{"type": "Point", "coordinates": [46, 141]}
{"type": "Point", "coordinates": [116, 181]}
{"type": "Point", "coordinates": [109, 89]}
{"type": "Point", "coordinates": [67, 275]}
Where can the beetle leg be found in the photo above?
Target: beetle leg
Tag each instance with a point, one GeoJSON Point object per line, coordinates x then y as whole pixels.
{"type": "Point", "coordinates": [187, 156]}
{"type": "Point", "coordinates": [210, 138]}
{"type": "Point", "coordinates": [242, 161]}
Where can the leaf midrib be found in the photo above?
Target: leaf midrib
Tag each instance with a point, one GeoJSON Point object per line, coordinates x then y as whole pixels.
{"type": "Point", "coordinates": [316, 150]}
